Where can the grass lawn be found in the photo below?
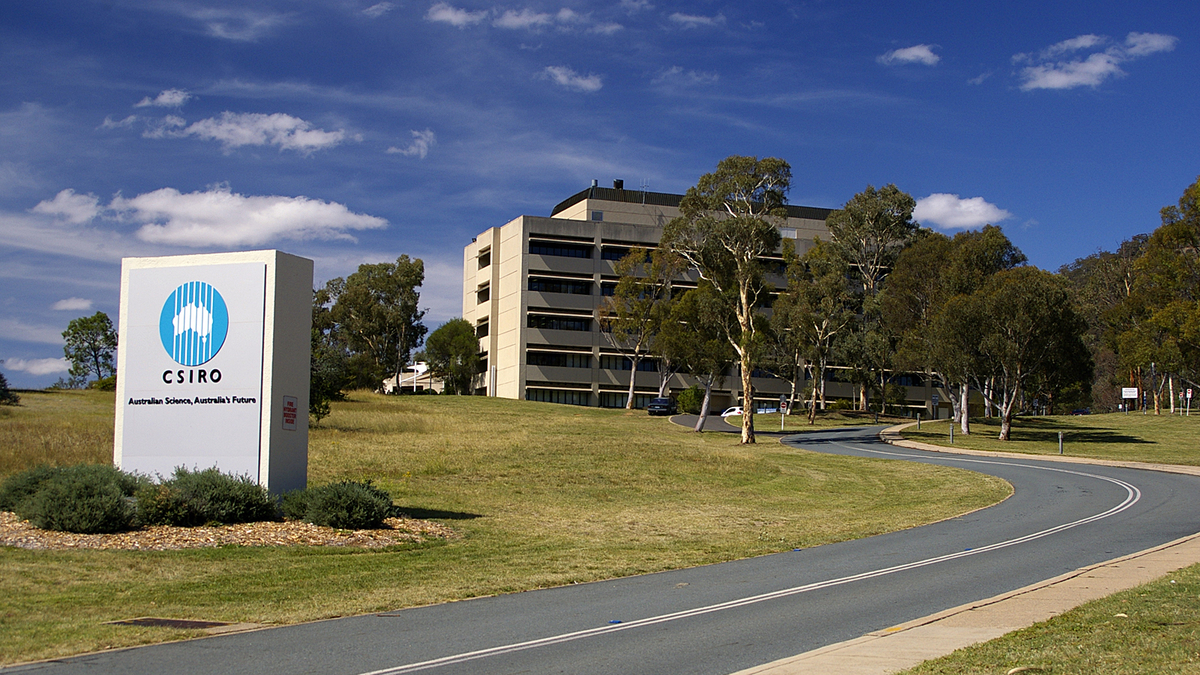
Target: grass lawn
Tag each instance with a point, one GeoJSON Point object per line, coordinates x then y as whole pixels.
{"type": "Point", "coordinates": [542, 494]}
{"type": "Point", "coordinates": [1163, 439]}
{"type": "Point", "coordinates": [828, 419]}
{"type": "Point", "coordinates": [1154, 628]}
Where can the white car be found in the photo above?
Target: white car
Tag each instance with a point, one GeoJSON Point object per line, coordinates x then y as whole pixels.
{"type": "Point", "coordinates": [735, 410]}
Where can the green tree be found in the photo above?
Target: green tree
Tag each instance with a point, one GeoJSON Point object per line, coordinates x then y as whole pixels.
{"type": "Point", "coordinates": [811, 313]}
{"type": "Point", "coordinates": [1019, 327]}
{"type": "Point", "coordinates": [453, 355]}
{"type": "Point", "coordinates": [631, 317]}
{"type": "Point", "coordinates": [870, 231]}
{"type": "Point", "coordinates": [329, 368]}
{"type": "Point", "coordinates": [376, 313]}
{"type": "Point", "coordinates": [696, 333]}
{"type": "Point", "coordinates": [729, 220]}
{"type": "Point", "coordinates": [7, 397]}
{"type": "Point", "coordinates": [91, 343]}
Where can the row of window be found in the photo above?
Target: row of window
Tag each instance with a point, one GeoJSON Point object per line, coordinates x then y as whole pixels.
{"type": "Point", "coordinates": [544, 322]}
{"type": "Point", "coordinates": [568, 250]}
{"type": "Point", "coordinates": [607, 361]}
{"type": "Point", "coordinates": [608, 399]}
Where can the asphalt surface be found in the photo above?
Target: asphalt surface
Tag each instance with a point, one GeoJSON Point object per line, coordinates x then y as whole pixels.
{"type": "Point", "coordinates": [723, 618]}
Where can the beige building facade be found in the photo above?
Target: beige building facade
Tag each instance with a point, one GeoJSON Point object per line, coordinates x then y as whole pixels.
{"type": "Point", "coordinates": [533, 289]}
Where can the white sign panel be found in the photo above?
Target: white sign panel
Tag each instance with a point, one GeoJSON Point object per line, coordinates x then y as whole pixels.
{"type": "Point", "coordinates": [213, 365]}
{"type": "Point", "coordinates": [1129, 392]}
{"type": "Point", "coordinates": [193, 383]}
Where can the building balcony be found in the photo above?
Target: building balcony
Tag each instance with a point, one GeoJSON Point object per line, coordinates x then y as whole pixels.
{"type": "Point", "coordinates": [570, 338]}
{"type": "Point", "coordinates": [581, 376]}
{"type": "Point", "coordinates": [554, 263]}
{"type": "Point", "coordinates": [561, 300]}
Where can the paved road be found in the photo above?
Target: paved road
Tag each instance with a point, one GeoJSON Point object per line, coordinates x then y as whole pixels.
{"type": "Point", "coordinates": [722, 618]}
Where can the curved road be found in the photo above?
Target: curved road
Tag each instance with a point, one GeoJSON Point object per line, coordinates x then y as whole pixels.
{"type": "Point", "coordinates": [723, 618]}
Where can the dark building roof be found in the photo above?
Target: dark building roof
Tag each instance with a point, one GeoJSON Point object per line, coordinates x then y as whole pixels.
{"type": "Point", "coordinates": [665, 199]}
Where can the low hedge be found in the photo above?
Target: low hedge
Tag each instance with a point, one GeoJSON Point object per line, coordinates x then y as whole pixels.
{"type": "Point", "coordinates": [86, 498]}
{"type": "Point", "coordinates": [191, 498]}
{"type": "Point", "coordinates": [346, 505]}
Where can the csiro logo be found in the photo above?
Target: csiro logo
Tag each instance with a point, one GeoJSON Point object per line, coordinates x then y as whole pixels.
{"type": "Point", "coordinates": [193, 323]}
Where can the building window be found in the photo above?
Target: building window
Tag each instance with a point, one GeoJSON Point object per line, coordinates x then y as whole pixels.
{"type": "Point", "coordinates": [559, 323]}
{"type": "Point", "coordinates": [485, 259]}
{"type": "Point", "coordinates": [616, 399]}
{"type": "Point", "coordinates": [558, 360]}
{"type": "Point", "coordinates": [481, 330]}
{"type": "Point", "coordinates": [545, 285]}
{"type": "Point", "coordinates": [558, 396]}
{"type": "Point", "coordinates": [616, 362]}
{"type": "Point", "coordinates": [483, 295]}
{"type": "Point", "coordinates": [562, 250]}
{"type": "Point", "coordinates": [613, 252]}
{"type": "Point", "coordinates": [597, 215]}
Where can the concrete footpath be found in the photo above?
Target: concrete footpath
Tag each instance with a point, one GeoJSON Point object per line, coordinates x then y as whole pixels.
{"type": "Point", "coordinates": [904, 646]}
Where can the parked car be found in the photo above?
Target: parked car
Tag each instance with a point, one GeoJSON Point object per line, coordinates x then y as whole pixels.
{"type": "Point", "coordinates": [735, 410]}
{"type": "Point", "coordinates": [661, 406]}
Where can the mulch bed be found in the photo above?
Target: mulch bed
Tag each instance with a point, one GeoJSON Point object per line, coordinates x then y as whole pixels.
{"type": "Point", "coordinates": [19, 533]}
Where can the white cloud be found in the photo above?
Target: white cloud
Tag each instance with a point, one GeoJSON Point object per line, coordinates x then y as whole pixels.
{"type": "Point", "coordinates": [110, 123]}
{"type": "Point", "coordinates": [234, 130]}
{"type": "Point", "coordinates": [70, 207]}
{"type": "Point", "coordinates": [219, 217]}
{"type": "Point", "coordinates": [1045, 72]}
{"type": "Point", "coordinates": [568, 78]}
{"type": "Point", "coordinates": [526, 18]}
{"type": "Point", "coordinates": [15, 329]}
{"type": "Point", "coordinates": [422, 142]}
{"type": "Point", "coordinates": [677, 75]}
{"type": "Point", "coordinates": [240, 25]}
{"type": "Point", "coordinates": [606, 28]}
{"type": "Point", "coordinates": [952, 212]}
{"type": "Point", "coordinates": [38, 366]}
{"type": "Point", "coordinates": [633, 6]}
{"type": "Point", "coordinates": [459, 18]}
{"type": "Point", "coordinates": [694, 21]}
{"type": "Point", "coordinates": [72, 304]}
{"type": "Point", "coordinates": [168, 98]}
{"type": "Point", "coordinates": [922, 54]}
{"type": "Point", "coordinates": [162, 128]}
{"type": "Point", "coordinates": [376, 11]}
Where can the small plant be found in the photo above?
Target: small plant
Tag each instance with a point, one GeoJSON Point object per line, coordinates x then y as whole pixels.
{"type": "Point", "coordinates": [192, 498]}
{"type": "Point", "coordinates": [86, 498]}
{"type": "Point", "coordinates": [347, 505]}
{"type": "Point", "coordinates": [7, 397]}
{"type": "Point", "coordinates": [21, 486]}
{"type": "Point", "coordinates": [691, 399]}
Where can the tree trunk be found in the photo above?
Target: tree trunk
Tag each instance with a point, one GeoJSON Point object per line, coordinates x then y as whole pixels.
{"type": "Point", "coordinates": [632, 380]}
{"type": "Point", "coordinates": [965, 419]}
{"type": "Point", "coordinates": [708, 383]}
{"type": "Point", "coordinates": [747, 400]}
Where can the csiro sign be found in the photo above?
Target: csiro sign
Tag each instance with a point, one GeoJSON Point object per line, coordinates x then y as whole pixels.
{"type": "Point", "coordinates": [212, 365]}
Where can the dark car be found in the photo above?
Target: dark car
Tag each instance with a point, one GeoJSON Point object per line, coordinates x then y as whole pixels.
{"type": "Point", "coordinates": [661, 406]}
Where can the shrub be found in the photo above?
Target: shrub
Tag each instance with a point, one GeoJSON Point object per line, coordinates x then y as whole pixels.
{"type": "Point", "coordinates": [691, 399]}
{"type": "Point", "coordinates": [348, 505]}
{"type": "Point", "coordinates": [7, 397]}
{"type": "Point", "coordinates": [294, 505]}
{"type": "Point", "coordinates": [192, 498]}
{"type": "Point", "coordinates": [20, 486]}
{"type": "Point", "coordinates": [86, 498]}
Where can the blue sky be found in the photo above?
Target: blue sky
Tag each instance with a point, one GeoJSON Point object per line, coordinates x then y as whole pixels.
{"type": "Point", "coordinates": [353, 132]}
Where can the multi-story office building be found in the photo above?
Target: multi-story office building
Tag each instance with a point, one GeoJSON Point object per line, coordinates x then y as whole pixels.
{"type": "Point", "coordinates": [533, 289]}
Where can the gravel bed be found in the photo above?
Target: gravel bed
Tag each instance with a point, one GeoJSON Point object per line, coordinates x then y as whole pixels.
{"type": "Point", "coordinates": [19, 533]}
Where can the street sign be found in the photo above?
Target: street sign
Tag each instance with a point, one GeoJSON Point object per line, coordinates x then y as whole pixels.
{"type": "Point", "coordinates": [1189, 392]}
{"type": "Point", "coordinates": [1129, 392]}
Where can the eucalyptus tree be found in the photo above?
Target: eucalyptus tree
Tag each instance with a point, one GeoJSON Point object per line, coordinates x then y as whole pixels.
{"type": "Point", "coordinates": [453, 355]}
{"type": "Point", "coordinates": [728, 221]}
{"type": "Point", "coordinates": [633, 314]}
{"type": "Point", "coordinates": [376, 312]}
{"type": "Point", "coordinates": [91, 343]}
{"type": "Point", "coordinates": [695, 334]}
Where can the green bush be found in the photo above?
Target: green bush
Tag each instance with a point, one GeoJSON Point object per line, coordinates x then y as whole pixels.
{"type": "Point", "coordinates": [87, 498]}
{"type": "Point", "coordinates": [20, 486]}
{"type": "Point", "coordinates": [691, 399]}
{"type": "Point", "coordinates": [192, 498]}
{"type": "Point", "coordinates": [348, 505]}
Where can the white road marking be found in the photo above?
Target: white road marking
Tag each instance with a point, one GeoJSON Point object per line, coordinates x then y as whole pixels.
{"type": "Point", "coordinates": [1133, 495]}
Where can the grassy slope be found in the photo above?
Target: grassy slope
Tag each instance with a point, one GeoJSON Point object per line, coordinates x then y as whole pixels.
{"type": "Point", "coordinates": [543, 495]}
{"type": "Point", "coordinates": [1159, 633]}
{"type": "Point", "coordinates": [1143, 438]}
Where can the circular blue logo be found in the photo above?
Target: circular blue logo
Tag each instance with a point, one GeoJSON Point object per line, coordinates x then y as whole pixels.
{"type": "Point", "coordinates": [193, 323]}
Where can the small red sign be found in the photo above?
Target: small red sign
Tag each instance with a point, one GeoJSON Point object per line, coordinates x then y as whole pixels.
{"type": "Point", "coordinates": [291, 408]}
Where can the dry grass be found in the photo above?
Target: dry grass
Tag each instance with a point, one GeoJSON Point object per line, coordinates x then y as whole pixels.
{"type": "Point", "coordinates": [56, 427]}
{"type": "Point", "coordinates": [542, 494]}
{"type": "Point", "coordinates": [1166, 439]}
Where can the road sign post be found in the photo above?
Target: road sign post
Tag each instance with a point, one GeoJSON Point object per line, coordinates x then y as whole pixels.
{"type": "Point", "coordinates": [1128, 394]}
